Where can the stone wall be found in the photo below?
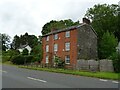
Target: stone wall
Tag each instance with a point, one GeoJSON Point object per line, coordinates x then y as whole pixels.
{"type": "Point", "coordinates": [93, 65]}
{"type": "Point", "coordinates": [86, 43]}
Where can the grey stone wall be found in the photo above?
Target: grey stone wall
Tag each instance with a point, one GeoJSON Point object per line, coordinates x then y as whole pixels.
{"type": "Point", "coordinates": [106, 65]}
{"type": "Point", "coordinates": [87, 43]}
{"type": "Point", "coordinates": [93, 65]}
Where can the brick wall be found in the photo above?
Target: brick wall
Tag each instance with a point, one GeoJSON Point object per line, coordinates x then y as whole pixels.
{"type": "Point", "coordinates": [61, 46]}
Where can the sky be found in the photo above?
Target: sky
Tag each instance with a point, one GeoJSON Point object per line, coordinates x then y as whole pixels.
{"type": "Point", "coordinates": [20, 16]}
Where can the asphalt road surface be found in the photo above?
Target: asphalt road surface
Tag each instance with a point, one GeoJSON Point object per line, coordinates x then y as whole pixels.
{"type": "Point", "coordinates": [13, 77]}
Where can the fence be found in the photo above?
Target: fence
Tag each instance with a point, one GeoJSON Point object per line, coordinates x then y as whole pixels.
{"type": "Point", "coordinates": [87, 65]}
{"type": "Point", "coordinates": [41, 65]}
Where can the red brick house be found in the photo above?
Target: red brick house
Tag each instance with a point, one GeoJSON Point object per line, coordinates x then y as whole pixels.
{"type": "Point", "coordinates": [70, 44]}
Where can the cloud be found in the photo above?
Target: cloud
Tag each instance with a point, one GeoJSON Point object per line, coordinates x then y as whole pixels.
{"type": "Point", "coordinates": [20, 16]}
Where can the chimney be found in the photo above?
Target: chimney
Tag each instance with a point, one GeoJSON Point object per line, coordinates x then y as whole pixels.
{"type": "Point", "coordinates": [85, 20]}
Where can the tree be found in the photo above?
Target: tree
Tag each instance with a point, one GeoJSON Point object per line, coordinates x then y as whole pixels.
{"type": "Point", "coordinates": [104, 18]}
{"type": "Point", "coordinates": [108, 45]}
{"type": "Point", "coordinates": [25, 39]}
{"type": "Point", "coordinates": [5, 41]}
{"type": "Point", "coordinates": [16, 42]}
{"type": "Point", "coordinates": [25, 52]}
{"type": "Point", "coordinates": [37, 52]}
{"type": "Point", "coordinates": [55, 25]}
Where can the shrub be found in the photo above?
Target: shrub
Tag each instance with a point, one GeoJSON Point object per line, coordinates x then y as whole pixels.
{"type": "Point", "coordinates": [59, 62]}
{"type": "Point", "coordinates": [107, 45]}
{"type": "Point", "coordinates": [20, 59]}
{"type": "Point", "coordinates": [28, 59]}
{"type": "Point", "coordinates": [5, 58]}
{"type": "Point", "coordinates": [25, 52]}
{"type": "Point", "coordinates": [36, 59]}
{"type": "Point", "coordinates": [116, 61]}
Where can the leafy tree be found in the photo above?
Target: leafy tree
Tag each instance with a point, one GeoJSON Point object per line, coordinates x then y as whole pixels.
{"type": "Point", "coordinates": [25, 52]}
{"type": "Point", "coordinates": [25, 39]}
{"type": "Point", "coordinates": [55, 25]}
{"type": "Point", "coordinates": [5, 41]}
{"type": "Point", "coordinates": [108, 45]}
{"type": "Point", "coordinates": [32, 40]}
{"type": "Point", "coordinates": [104, 18]}
{"type": "Point", "coordinates": [37, 52]}
{"type": "Point", "coordinates": [116, 61]}
{"type": "Point", "coordinates": [16, 42]}
{"type": "Point", "coordinates": [59, 62]}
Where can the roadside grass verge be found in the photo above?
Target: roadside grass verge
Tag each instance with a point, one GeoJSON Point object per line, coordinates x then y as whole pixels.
{"type": "Point", "coordinates": [102, 75]}
{"type": "Point", "coordinates": [9, 63]}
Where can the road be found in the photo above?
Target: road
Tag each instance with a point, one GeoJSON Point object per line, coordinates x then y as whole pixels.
{"type": "Point", "coordinates": [13, 77]}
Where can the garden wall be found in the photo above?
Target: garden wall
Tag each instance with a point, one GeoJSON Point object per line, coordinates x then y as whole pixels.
{"type": "Point", "coordinates": [93, 65]}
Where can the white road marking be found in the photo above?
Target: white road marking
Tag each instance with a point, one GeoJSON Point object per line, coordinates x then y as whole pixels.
{"type": "Point", "coordinates": [103, 80]}
{"type": "Point", "coordinates": [115, 81]}
{"type": "Point", "coordinates": [3, 71]}
{"type": "Point", "coordinates": [36, 79]}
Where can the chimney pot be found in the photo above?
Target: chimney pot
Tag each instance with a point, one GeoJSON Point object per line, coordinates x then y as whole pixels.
{"type": "Point", "coordinates": [85, 20]}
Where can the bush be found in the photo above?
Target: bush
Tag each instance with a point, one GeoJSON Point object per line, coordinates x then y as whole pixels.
{"type": "Point", "coordinates": [28, 59]}
{"type": "Point", "coordinates": [5, 58]}
{"type": "Point", "coordinates": [25, 52]}
{"type": "Point", "coordinates": [36, 59]}
{"type": "Point", "coordinates": [116, 61]}
{"type": "Point", "coordinates": [20, 59]}
{"type": "Point", "coordinates": [59, 62]}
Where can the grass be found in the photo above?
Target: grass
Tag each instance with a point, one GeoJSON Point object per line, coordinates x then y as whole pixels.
{"type": "Point", "coordinates": [103, 75]}
{"type": "Point", "coordinates": [9, 63]}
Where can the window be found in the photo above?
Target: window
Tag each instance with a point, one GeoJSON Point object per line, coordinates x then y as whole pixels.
{"type": "Point", "coordinates": [67, 46]}
{"type": "Point", "coordinates": [67, 34]}
{"type": "Point", "coordinates": [55, 36]}
{"type": "Point", "coordinates": [47, 48]}
{"type": "Point", "coordinates": [47, 59]}
{"type": "Point", "coordinates": [67, 59]}
{"type": "Point", "coordinates": [55, 47]}
{"type": "Point", "coordinates": [47, 38]}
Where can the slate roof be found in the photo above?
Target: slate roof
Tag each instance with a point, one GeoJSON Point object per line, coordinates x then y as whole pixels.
{"type": "Point", "coordinates": [68, 28]}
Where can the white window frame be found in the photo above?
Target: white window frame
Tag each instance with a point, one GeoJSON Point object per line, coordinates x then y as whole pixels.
{"type": "Point", "coordinates": [47, 38]}
{"type": "Point", "coordinates": [47, 59]}
{"type": "Point", "coordinates": [67, 59]}
{"type": "Point", "coordinates": [67, 34]}
{"type": "Point", "coordinates": [67, 46]}
{"type": "Point", "coordinates": [55, 47]}
{"type": "Point", "coordinates": [47, 48]}
{"type": "Point", "coordinates": [55, 36]}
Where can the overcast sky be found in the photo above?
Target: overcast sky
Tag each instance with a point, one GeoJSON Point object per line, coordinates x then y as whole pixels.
{"type": "Point", "coordinates": [20, 16]}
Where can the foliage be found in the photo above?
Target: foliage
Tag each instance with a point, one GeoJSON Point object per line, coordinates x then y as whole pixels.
{"type": "Point", "coordinates": [55, 25]}
{"type": "Point", "coordinates": [37, 52]}
{"type": "Point", "coordinates": [8, 55]}
{"type": "Point", "coordinates": [5, 41]}
{"type": "Point", "coordinates": [59, 62]}
{"type": "Point", "coordinates": [25, 51]}
{"type": "Point", "coordinates": [104, 18]}
{"type": "Point", "coordinates": [5, 58]}
{"type": "Point", "coordinates": [36, 59]}
{"type": "Point", "coordinates": [25, 39]}
{"type": "Point", "coordinates": [20, 59]}
{"type": "Point", "coordinates": [107, 46]}
{"type": "Point", "coordinates": [116, 61]}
